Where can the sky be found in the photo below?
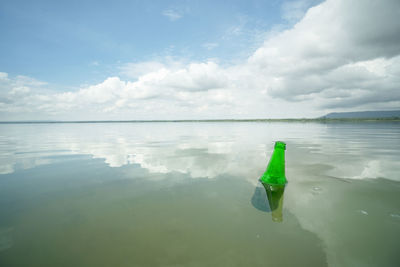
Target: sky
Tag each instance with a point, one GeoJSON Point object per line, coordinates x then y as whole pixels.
{"type": "Point", "coordinates": [146, 60]}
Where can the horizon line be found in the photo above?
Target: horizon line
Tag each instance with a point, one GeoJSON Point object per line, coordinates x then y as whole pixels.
{"type": "Point", "coordinates": [319, 119]}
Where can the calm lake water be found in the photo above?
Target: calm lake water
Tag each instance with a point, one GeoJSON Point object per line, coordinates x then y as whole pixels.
{"type": "Point", "coordinates": [187, 194]}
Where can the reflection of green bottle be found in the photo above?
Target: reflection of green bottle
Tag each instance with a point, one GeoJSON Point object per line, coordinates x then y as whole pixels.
{"type": "Point", "coordinates": [275, 173]}
{"type": "Point", "coordinates": [275, 200]}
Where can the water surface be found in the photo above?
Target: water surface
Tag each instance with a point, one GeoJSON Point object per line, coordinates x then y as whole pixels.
{"type": "Point", "coordinates": [186, 194]}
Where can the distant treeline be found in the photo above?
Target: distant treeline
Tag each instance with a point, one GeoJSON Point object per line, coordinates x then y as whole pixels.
{"type": "Point", "coordinates": [377, 114]}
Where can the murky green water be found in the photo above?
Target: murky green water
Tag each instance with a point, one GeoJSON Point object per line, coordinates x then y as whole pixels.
{"type": "Point", "coordinates": [186, 194]}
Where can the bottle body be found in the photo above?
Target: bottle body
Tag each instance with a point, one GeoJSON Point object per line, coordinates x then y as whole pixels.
{"type": "Point", "coordinates": [275, 173]}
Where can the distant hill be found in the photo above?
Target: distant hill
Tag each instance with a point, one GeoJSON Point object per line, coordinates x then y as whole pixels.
{"type": "Point", "coordinates": [363, 115]}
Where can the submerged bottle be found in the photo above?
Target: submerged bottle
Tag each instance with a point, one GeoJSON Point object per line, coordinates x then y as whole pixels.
{"type": "Point", "coordinates": [275, 173]}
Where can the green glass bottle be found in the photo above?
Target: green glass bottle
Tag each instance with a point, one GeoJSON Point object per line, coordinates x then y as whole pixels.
{"type": "Point", "coordinates": [275, 173]}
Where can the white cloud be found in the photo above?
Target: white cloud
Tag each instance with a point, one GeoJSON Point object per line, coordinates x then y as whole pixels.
{"type": "Point", "coordinates": [172, 14]}
{"type": "Point", "coordinates": [338, 45]}
{"type": "Point", "coordinates": [22, 90]}
{"type": "Point", "coordinates": [197, 77]}
{"type": "Point", "coordinates": [3, 76]}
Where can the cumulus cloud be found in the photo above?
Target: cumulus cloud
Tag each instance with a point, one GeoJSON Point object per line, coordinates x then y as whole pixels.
{"type": "Point", "coordinates": [196, 87]}
{"type": "Point", "coordinates": [340, 55]}
{"type": "Point", "coordinates": [17, 94]}
{"type": "Point", "coordinates": [337, 46]}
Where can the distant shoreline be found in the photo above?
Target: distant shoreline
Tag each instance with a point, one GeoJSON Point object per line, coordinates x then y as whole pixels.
{"type": "Point", "coordinates": [320, 120]}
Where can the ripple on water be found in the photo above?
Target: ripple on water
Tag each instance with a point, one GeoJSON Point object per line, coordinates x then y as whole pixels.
{"type": "Point", "coordinates": [394, 215]}
{"type": "Point", "coordinates": [363, 212]}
